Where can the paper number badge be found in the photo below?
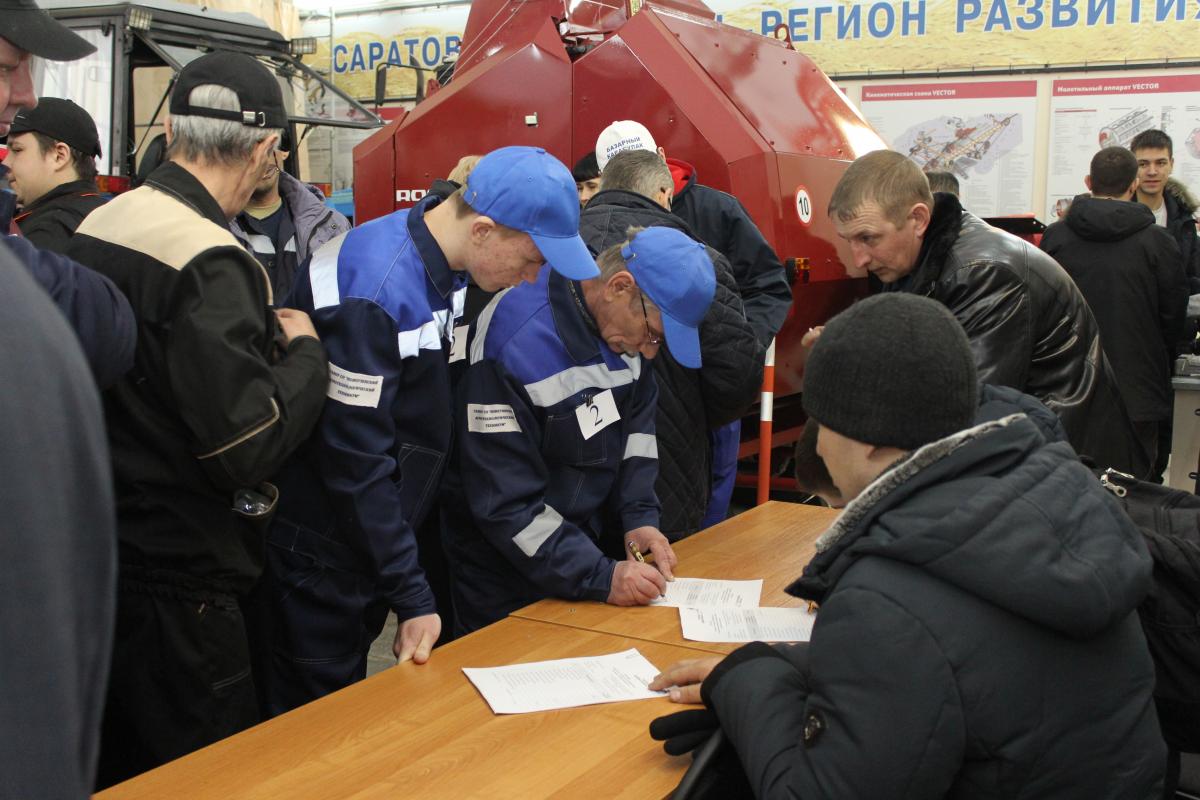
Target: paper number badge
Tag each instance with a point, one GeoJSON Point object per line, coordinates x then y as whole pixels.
{"type": "Point", "coordinates": [458, 350]}
{"type": "Point", "coordinates": [598, 414]}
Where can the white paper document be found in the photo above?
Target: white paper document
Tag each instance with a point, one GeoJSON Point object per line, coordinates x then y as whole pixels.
{"type": "Point", "coordinates": [565, 683]}
{"type": "Point", "coordinates": [704, 593]}
{"type": "Point", "coordinates": [747, 624]}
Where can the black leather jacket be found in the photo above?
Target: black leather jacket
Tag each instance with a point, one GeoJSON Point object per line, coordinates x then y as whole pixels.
{"type": "Point", "coordinates": [1029, 328]}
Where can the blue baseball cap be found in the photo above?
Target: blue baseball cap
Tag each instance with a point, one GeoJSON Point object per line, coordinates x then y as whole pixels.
{"type": "Point", "coordinates": [531, 191]}
{"type": "Point", "coordinates": [676, 273]}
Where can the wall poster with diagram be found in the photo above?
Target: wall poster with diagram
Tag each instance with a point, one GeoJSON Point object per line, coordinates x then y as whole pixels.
{"type": "Point", "coordinates": [1090, 113]}
{"type": "Point", "coordinates": [982, 132]}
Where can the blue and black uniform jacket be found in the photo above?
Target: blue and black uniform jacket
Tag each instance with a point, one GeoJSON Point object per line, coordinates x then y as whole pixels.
{"type": "Point", "coordinates": [530, 504]}
{"type": "Point", "coordinates": [383, 300]}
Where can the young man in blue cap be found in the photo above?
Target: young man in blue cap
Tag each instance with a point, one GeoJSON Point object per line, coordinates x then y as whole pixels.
{"type": "Point", "coordinates": [550, 490]}
{"type": "Point", "coordinates": [385, 298]}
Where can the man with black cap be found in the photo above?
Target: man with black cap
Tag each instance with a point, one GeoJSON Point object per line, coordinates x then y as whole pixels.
{"type": "Point", "coordinates": [57, 532]}
{"type": "Point", "coordinates": [223, 389]}
{"type": "Point", "coordinates": [977, 635]}
{"type": "Point", "coordinates": [52, 150]}
{"type": "Point", "coordinates": [550, 489]}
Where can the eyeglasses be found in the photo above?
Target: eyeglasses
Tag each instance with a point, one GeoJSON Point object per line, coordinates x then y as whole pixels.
{"type": "Point", "coordinates": [651, 336]}
{"type": "Point", "coordinates": [273, 167]}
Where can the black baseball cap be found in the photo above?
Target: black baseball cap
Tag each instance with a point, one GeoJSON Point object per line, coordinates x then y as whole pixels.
{"type": "Point", "coordinates": [258, 92]}
{"type": "Point", "coordinates": [62, 121]}
{"type": "Point", "coordinates": [29, 28]}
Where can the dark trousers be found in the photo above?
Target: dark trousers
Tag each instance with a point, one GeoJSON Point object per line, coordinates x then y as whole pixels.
{"type": "Point", "coordinates": [1147, 434]}
{"type": "Point", "coordinates": [1166, 429]}
{"type": "Point", "coordinates": [318, 615]}
{"type": "Point", "coordinates": [180, 675]}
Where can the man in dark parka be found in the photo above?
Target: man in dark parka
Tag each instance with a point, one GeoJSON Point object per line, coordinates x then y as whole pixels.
{"type": "Point", "coordinates": [977, 635]}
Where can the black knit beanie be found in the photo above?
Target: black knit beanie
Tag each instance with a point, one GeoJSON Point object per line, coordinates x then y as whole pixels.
{"type": "Point", "coordinates": [894, 370]}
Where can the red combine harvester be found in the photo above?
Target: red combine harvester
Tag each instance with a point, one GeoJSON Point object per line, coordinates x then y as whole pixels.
{"type": "Point", "coordinates": [756, 118]}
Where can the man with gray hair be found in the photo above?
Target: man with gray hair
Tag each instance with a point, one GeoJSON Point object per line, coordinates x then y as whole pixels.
{"type": "Point", "coordinates": [223, 389]}
{"type": "Point", "coordinates": [635, 190]}
{"type": "Point", "coordinates": [719, 220]}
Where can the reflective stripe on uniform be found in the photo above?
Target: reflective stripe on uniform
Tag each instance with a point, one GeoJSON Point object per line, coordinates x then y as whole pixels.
{"type": "Point", "coordinates": [541, 528]}
{"type": "Point", "coordinates": [641, 445]}
{"type": "Point", "coordinates": [323, 274]}
{"type": "Point", "coordinates": [573, 380]}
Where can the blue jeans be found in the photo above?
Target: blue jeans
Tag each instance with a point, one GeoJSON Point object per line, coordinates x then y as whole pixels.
{"type": "Point", "coordinates": [725, 441]}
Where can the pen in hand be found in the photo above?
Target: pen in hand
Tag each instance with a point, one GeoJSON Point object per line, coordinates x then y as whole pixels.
{"type": "Point", "coordinates": [636, 552]}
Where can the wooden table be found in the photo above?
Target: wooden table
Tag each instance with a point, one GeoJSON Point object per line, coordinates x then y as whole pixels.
{"type": "Point", "coordinates": [772, 541]}
{"type": "Point", "coordinates": [424, 731]}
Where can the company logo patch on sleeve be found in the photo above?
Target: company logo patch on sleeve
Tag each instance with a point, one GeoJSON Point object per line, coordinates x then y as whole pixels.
{"type": "Point", "coordinates": [354, 388]}
{"type": "Point", "coordinates": [495, 418]}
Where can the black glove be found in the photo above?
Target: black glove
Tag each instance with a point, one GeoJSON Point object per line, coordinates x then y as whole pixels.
{"type": "Point", "coordinates": [715, 773]}
{"type": "Point", "coordinates": [684, 731]}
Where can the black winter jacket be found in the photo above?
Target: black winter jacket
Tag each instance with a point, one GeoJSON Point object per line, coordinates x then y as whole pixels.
{"type": "Point", "coordinates": [977, 638]}
{"type": "Point", "coordinates": [211, 406]}
{"type": "Point", "coordinates": [690, 401]}
{"type": "Point", "coordinates": [719, 220]}
{"type": "Point", "coordinates": [1128, 271]}
{"type": "Point", "coordinates": [1029, 328]}
{"type": "Point", "coordinates": [51, 220]}
{"type": "Point", "coordinates": [1181, 224]}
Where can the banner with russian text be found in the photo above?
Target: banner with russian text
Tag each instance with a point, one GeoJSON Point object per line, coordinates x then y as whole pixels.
{"type": "Point", "coordinates": [362, 41]}
{"type": "Point", "coordinates": [871, 36]}
{"type": "Point", "coordinates": [881, 36]}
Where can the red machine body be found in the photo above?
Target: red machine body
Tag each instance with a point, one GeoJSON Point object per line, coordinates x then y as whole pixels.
{"type": "Point", "coordinates": [753, 116]}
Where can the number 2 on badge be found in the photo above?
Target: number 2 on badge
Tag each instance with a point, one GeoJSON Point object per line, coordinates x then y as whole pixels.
{"type": "Point", "coordinates": [598, 414]}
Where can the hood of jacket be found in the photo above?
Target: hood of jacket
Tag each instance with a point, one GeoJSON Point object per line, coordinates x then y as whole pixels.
{"type": "Point", "coordinates": [1102, 220]}
{"type": "Point", "coordinates": [316, 223]}
{"type": "Point", "coordinates": [1000, 513]}
{"type": "Point", "coordinates": [684, 175]}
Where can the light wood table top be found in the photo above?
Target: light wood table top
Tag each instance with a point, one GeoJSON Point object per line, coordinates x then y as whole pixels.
{"type": "Point", "coordinates": [424, 731]}
{"type": "Point", "coordinates": [773, 541]}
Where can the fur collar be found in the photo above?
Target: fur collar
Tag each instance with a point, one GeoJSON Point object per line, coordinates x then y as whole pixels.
{"type": "Point", "coordinates": [1181, 193]}
{"type": "Point", "coordinates": [905, 468]}
{"type": "Point", "coordinates": [945, 224]}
